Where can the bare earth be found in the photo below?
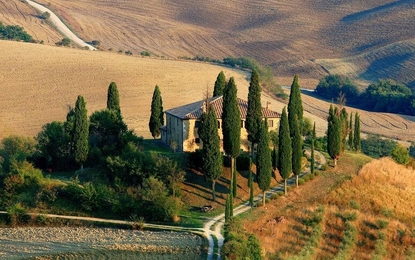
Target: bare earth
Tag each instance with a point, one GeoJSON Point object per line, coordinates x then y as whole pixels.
{"type": "Point", "coordinates": [18, 243]}
{"type": "Point", "coordinates": [366, 40]}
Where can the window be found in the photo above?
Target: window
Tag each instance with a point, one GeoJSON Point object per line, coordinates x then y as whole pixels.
{"type": "Point", "coordinates": [242, 123]}
{"type": "Point", "coordinates": [197, 140]}
{"type": "Point", "coordinates": [218, 124]}
{"type": "Point", "coordinates": [270, 123]}
{"type": "Point", "coordinates": [197, 124]}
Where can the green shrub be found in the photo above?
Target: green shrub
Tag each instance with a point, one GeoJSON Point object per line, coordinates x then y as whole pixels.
{"type": "Point", "coordinates": [354, 204]}
{"type": "Point", "coordinates": [381, 224]}
{"type": "Point", "coordinates": [242, 162]}
{"type": "Point", "coordinates": [17, 214]}
{"type": "Point", "coordinates": [387, 212]}
{"type": "Point", "coordinates": [301, 181]}
{"type": "Point", "coordinates": [274, 196]}
{"type": "Point", "coordinates": [145, 53]}
{"type": "Point", "coordinates": [347, 216]}
{"type": "Point", "coordinates": [324, 167]}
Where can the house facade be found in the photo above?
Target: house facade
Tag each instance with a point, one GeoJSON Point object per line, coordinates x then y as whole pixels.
{"type": "Point", "coordinates": [182, 124]}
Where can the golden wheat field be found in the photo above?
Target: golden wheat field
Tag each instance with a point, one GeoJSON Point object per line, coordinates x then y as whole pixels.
{"type": "Point", "coordinates": [366, 40]}
{"type": "Point", "coordinates": [38, 83]}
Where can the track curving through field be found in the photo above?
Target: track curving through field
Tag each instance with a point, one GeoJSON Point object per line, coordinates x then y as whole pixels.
{"type": "Point", "coordinates": [61, 27]}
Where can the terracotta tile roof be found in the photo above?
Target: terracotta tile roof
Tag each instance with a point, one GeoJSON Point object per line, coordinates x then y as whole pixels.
{"type": "Point", "coordinates": [195, 110]}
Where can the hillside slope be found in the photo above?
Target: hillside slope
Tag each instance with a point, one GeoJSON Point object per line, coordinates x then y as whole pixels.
{"type": "Point", "coordinates": [40, 82]}
{"type": "Point", "coordinates": [287, 35]}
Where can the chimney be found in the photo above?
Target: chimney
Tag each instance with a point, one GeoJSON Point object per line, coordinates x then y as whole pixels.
{"type": "Point", "coordinates": [268, 103]}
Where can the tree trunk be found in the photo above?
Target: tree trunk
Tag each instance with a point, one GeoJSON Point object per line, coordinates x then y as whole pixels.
{"type": "Point", "coordinates": [213, 190]}
{"type": "Point", "coordinates": [285, 187]}
{"type": "Point", "coordinates": [335, 162]}
{"type": "Point", "coordinates": [296, 180]}
{"type": "Point", "coordinates": [263, 199]}
{"type": "Point", "coordinates": [235, 181]}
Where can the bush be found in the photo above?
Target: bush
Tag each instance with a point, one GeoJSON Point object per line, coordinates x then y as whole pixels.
{"type": "Point", "coordinates": [96, 43]}
{"type": "Point", "coordinates": [242, 162]}
{"type": "Point", "coordinates": [45, 15]}
{"type": "Point", "coordinates": [354, 204]}
{"type": "Point", "coordinates": [145, 53]}
{"type": "Point", "coordinates": [347, 216]}
{"type": "Point", "coordinates": [17, 214]}
{"type": "Point", "coordinates": [381, 224]}
{"type": "Point", "coordinates": [401, 155]}
{"type": "Point", "coordinates": [301, 181]}
{"type": "Point", "coordinates": [274, 196]}
{"type": "Point", "coordinates": [64, 42]}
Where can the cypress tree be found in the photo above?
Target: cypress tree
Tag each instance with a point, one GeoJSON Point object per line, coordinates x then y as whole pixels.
{"type": "Point", "coordinates": [231, 124]}
{"type": "Point", "coordinates": [156, 117]}
{"type": "Point", "coordinates": [333, 134]}
{"type": "Point", "coordinates": [212, 157]}
{"type": "Point", "coordinates": [344, 124]}
{"type": "Point", "coordinates": [284, 149]}
{"type": "Point", "coordinates": [227, 208]}
{"type": "Point", "coordinates": [113, 98]}
{"type": "Point", "coordinates": [264, 164]}
{"type": "Point", "coordinates": [220, 84]}
{"type": "Point", "coordinates": [297, 144]}
{"type": "Point", "coordinates": [357, 141]}
{"type": "Point", "coordinates": [81, 132]}
{"type": "Point", "coordinates": [313, 139]}
{"type": "Point", "coordinates": [253, 121]}
{"type": "Point", "coordinates": [351, 141]}
{"type": "Point", "coordinates": [251, 184]}
{"type": "Point", "coordinates": [295, 106]}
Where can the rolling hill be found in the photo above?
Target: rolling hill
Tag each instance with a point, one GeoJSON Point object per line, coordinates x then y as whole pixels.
{"type": "Point", "coordinates": [363, 39]}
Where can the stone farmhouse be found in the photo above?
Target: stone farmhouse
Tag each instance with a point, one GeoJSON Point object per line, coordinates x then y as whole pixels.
{"type": "Point", "coordinates": [182, 124]}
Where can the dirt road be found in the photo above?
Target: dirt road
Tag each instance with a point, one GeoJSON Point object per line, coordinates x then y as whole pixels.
{"type": "Point", "coordinates": [54, 19]}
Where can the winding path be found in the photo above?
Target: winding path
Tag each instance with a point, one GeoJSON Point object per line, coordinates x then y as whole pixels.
{"type": "Point", "coordinates": [60, 26]}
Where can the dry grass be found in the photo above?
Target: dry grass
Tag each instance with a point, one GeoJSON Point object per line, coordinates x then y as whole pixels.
{"type": "Point", "coordinates": [365, 39]}
{"type": "Point", "coordinates": [40, 82]}
{"type": "Point", "coordinates": [380, 191]}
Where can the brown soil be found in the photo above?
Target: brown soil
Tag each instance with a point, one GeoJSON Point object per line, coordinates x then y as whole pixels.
{"type": "Point", "coordinates": [365, 39]}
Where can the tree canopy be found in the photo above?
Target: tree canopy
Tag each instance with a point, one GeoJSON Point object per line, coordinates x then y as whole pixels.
{"type": "Point", "coordinates": [264, 161]}
{"type": "Point", "coordinates": [220, 84]}
{"type": "Point", "coordinates": [295, 106]}
{"type": "Point", "coordinates": [157, 116]}
{"type": "Point", "coordinates": [284, 149]}
{"type": "Point", "coordinates": [254, 114]}
{"type": "Point", "coordinates": [212, 157]}
{"type": "Point", "coordinates": [333, 134]}
{"type": "Point", "coordinates": [81, 133]}
{"type": "Point", "coordinates": [113, 98]}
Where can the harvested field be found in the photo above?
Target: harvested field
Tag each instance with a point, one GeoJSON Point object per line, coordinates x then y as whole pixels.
{"type": "Point", "coordinates": [364, 39]}
{"type": "Point", "coordinates": [93, 243]}
{"type": "Point", "coordinates": [40, 82]}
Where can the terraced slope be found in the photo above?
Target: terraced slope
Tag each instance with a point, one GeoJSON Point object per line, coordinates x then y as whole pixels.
{"type": "Point", "coordinates": [290, 36]}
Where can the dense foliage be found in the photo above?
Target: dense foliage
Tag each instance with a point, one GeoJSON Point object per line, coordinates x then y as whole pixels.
{"type": "Point", "coordinates": [212, 157]}
{"type": "Point", "coordinates": [220, 84]}
{"type": "Point", "coordinates": [284, 163]}
{"type": "Point", "coordinates": [157, 116]}
{"type": "Point", "coordinates": [331, 85]}
{"type": "Point", "coordinates": [295, 106]}
{"type": "Point", "coordinates": [377, 147]}
{"type": "Point", "coordinates": [382, 96]}
{"type": "Point", "coordinates": [334, 134]}
{"type": "Point", "coordinates": [264, 161]}
{"type": "Point", "coordinates": [113, 98]}
{"type": "Point", "coordinates": [239, 244]}
{"type": "Point", "coordinates": [254, 114]}
{"type": "Point", "coordinates": [121, 178]}
{"type": "Point", "coordinates": [14, 32]}
{"type": "Point", "coordinates": [80, 137]}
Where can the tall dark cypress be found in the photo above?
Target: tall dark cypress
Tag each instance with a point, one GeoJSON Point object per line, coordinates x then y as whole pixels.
{"type": "Point", "coordinates": [113, 98]}
{"type": "Point", "coordinates": [357, 141]}
{"type": "Point", "coordinates": [81, 132]}
{"type": "Point", "coordinates": [297, 144]}
{"type": "Point", "coordinates": [295, 105]}
{"type": "Point", "coordinates": [251, 184]}
{"type": "Point", "coordinates": [284, 149]}
{"type": "Point", "coordinates": [344, 124]}
{"type": "Point", "coordinates": [351, 130]}
{"type": "Point", "coordinates": [264, 163]}
{"type": "Point", "coordinates": [231, 124]}
{"type": "Point", "coordinates": [212, 157]}
{"type": "Point", "coordinates": [156, 117]}
{"type": "Point", "coordinates": [333, 134]}
{"type": "Point", "coordinates": [313, 139]}
{"type": "Point", "coordinates": [253, 121]}
{"type": "Point", "coordinates": [220, 84]}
